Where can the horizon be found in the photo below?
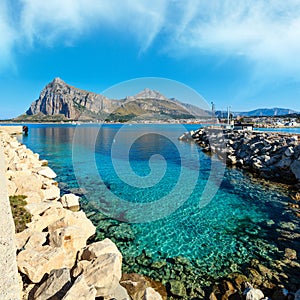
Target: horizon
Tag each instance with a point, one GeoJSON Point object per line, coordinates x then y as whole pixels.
{"type": "Point", "coordinates": [226, 53]}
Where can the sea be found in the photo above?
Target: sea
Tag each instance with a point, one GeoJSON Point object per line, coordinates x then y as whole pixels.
{"type": "Point", "coordinates": [145, 189]}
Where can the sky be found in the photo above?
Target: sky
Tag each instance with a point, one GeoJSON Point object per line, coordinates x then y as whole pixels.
{"type": "Point", "coordinates": [242, 53]}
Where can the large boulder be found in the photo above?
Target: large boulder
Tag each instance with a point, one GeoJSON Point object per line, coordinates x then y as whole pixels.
{"type": "Point", "coordinates": [35, 263]}
{"type": "Point", "coordinates": [50, 193]}
{"type": "Point", "coordinates": [71, 238]}
{"type": "Point", "coordinates": [73, 219]}
{"type": "Point", "coordinates": [80, 290]}
{"type": "Point", "coordinates": [119, 293]}
{"type": "Point", "coordinates": [36, 239]}
{"type": "Point", "coordinates": [137, 284]}
{"type": "Point", "coordinates": [251, 293]}
{"type": "Point", "coordinates": [40, 207]}
{"type": "Point", "coordinates": [25, 182]}
{"type": "Point", "coordinates": [49, 216]}
{"type": "Point", "coordinates": [70, 201]}
{"type": "Point", "coordinates": [55, 286]}
{"type": "Point", "coordinates": [104, 273]}
{"type": "Point", "coordinates": [96, 249]}
{"type": "Point", "coordinates": [47, 172]}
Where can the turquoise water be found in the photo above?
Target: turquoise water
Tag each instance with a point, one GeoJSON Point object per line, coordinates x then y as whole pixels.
{"type": "Point", "coordinates": [288, 130]}
{"type": "Point", "coordinates": [218, 218]}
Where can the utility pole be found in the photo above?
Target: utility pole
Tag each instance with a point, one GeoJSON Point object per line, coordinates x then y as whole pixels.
{"type": "Point", "coordinates": [212, 110]}
{"type": "Point", "coordinates": [228, 115]}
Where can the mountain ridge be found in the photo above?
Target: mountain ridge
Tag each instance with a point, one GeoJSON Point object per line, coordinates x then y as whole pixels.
{"type": "Point", "coordinates": [60, 98]}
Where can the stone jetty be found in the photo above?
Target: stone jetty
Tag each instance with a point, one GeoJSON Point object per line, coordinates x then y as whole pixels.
{"type": "Point", "coordinates": [51, 254]}
{"type": "Point", "coordinates": [270, 155]}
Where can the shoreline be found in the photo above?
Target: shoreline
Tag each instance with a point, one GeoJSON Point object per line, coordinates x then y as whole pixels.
{"type": "Point", "coordinates": [179, 290]}
{"type": "Point", "coordinates": [74, 123]}
{"type": "Point", "coordinates": [53, 256]}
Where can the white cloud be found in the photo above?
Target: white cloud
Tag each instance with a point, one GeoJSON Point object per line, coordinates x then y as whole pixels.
{"type": "Point", "coordinates": [7, 37]}
{"type": "Point", "coordinates": [266, 32]}
{"type": "Point", "coordinates": [47, 20]}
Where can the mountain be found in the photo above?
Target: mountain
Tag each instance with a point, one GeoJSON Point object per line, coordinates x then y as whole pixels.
{"type": "Point", "coordinates": [267, 112]}
{"type": "Point", "coordinates": [59, 98]}
{"type": "Point", "coordinates": [61, 101]}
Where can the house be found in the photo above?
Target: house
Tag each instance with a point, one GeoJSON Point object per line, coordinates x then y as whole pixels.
{"type": "Point", "coordinates": [243, 126]}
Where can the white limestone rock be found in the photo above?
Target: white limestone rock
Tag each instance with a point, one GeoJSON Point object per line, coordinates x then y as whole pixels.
{"type": "Point", "coordinates": [253, 294]}
{"type": "Point", "coordinates": [47, 172]}
{"type": "Point", "coordinates": [80, 290]}
{"type": "Point", "coordinates": [70, 201]}
{"type": "Point", "coordinates": [151, 294]}
{"type": "Point", "coordinates": [55, 286]}
{"type": "Point", "coordinates": [96, 249]}
{"type": "Point", "coordinates": [35, 263]}
{"type": "Point", "coordinates": [104, 273]}
{"type": "Point", "coordinates": [51, 193]}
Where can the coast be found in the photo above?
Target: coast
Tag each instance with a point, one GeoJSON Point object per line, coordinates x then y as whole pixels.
{"type": "Point", "coordinates": [53, 256]}
{"type": "Point", "coordinates": [269, 155]}
{"type": "Point", "coordinates": [56, 259]}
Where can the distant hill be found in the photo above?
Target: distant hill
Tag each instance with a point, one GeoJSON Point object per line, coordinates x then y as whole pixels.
{"type": "Point", "coordinates": [267, 112]}
{"type": "Point", "coordinates": [60, 101]}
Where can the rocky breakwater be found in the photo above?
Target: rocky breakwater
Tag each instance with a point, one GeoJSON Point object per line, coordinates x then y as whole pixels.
{"type": "Point", "coordinates": [53, 258]}
{"type": "Point", "coordinates": [273, 156]}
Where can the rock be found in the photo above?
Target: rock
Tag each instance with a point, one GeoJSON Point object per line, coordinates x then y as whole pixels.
{"type": "Point", "coordinates": [70, 201]}
{"type": "Point", "coordinates": [212, 296]}
{"type": "Point", "coordinates": [96, 249]}
{"type": "Point", "coordinates": [119, 293]}
{"type": "Point", "coordinates": [295, 167]}
{"type": "Point", "coordinates": [290, 253]}
{"type": "Point", "coordinates": [289, 151]}
{"type": "Point", "coordinates": [51, 193]}
{"type": "Point", "coordinates": [36, 240]}
{"type": "Point", "coordinates": [33, 197]}
{"type": "Point", "coordinates": [41, 207]}
{"type": "Point", "coordinates": [35, 263]}
{"type": "Point", "coordinates": [177, 288]}
{"type": "Point", "coordinates": [232, 159]}
{"type": "Point", "coordinates": [47, 172]}
{"type": "Point", "coordinates": [238, 279]}
{"type": "Point", "coordinates": [71, 238]}
{"type": "Point", "coordinates": [151, 294]}
{"type": "Point", "coordinates": [73, 219]}
{"type": "Point", "coordinates": [80, 290]}
{"type": "Point", "coordinates": [26, 182]}
{"type": "Point", "coordinates": [104, 273]}
{"type": "Point", "coordinates": [80, 266]}
{"type": "Point", "coordinates": [22, 238]}
{"type": "Point", "coordinates": [253, 294]}
{"type": "Point", "coordinates": [55, 286]}
{"type": "Point", "coordinates": [49, 216]}
{"type": "Point", "coordinates": [136, 285]}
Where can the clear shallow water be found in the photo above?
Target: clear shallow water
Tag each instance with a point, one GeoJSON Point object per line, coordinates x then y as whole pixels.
{"type": "Point", "coordinates": [241, 222]}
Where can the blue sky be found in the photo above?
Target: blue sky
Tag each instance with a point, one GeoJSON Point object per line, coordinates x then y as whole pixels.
{"type": "Point", "coordinates": [242, 53]}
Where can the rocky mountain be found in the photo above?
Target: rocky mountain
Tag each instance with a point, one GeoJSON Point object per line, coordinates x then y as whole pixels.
{"type": "Point", "coordinates": [58, 99]}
